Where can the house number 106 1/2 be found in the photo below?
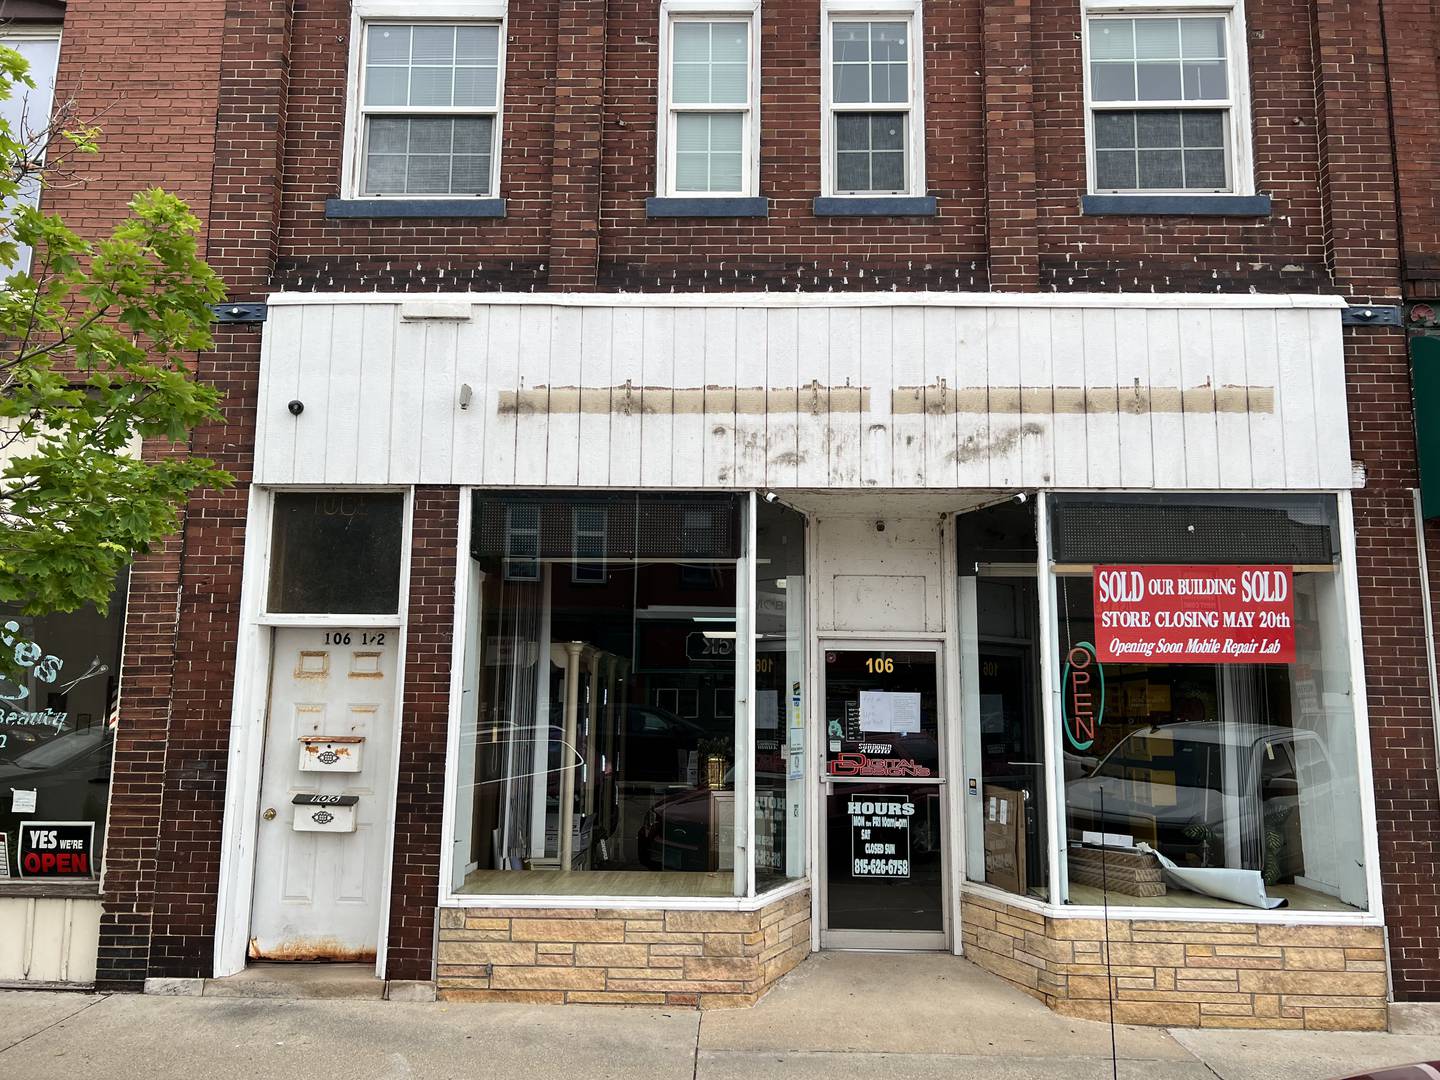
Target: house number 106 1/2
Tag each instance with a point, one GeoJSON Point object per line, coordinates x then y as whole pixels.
{"type": "Point", "coordinates": [346, 637]}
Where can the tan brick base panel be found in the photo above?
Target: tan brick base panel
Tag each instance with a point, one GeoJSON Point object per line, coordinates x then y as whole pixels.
{"type": "Point", "coordinates": [699, 959]}
{"type": "Point", "coordinates": [1186, 974]}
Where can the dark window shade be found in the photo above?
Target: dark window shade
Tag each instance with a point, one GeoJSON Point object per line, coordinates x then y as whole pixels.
{"type": "Point", "coordinates": [651, 526]}
{"type": "Point", "coordinates": [1114, 531]}
{"type": "Point", "coordinates": [336, 553]}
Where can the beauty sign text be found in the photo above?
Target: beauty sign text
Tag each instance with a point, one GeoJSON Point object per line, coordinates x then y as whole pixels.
{"type": "Point", "coordinates": [1195, 614]}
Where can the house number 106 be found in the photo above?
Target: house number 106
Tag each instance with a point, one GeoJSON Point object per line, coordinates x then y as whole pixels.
{"type": "Point", "coordinates": [880, 665]}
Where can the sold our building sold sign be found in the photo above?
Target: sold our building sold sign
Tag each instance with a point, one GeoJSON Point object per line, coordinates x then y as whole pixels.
{"type": "Point", "coordinates": [1195, 614]}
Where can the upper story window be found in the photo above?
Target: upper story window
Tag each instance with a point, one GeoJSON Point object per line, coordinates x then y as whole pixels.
{"type": "Point", "coordinates": [28, 109]}
{"type": "Point", "coordinates": [709, 128]}
{"type": "Point", "coordinates": [873, 128]}
{"type": "Point", "coordinates": [428, 107]}
{"type": "Point", "coordinates": [1168, 108]}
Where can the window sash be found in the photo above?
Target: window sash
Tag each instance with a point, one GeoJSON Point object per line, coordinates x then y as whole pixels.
{"type": "Point", "coordinates": [1238, 166]}
{"type": "Point", "coordinates": [912, 138]}
{"type": "Point", "coordinates": [674, 109]}
{"type": "Point", "coordinates": [363, 113]}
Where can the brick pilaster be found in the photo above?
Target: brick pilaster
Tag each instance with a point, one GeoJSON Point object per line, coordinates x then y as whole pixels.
{"type": "Point", "coordinates": [1010, 173]}
{"type": "Point", "coordinates": [579, 131]}
{"type": "Point", "coordinates": [424, 721]}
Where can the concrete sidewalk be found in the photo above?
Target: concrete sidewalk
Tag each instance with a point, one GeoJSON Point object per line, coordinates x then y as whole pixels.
{"type": "Point", "coordinates": [838, 1016]}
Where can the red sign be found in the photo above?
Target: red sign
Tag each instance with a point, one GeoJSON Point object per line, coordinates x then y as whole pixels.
{"type": "Point", "coordinates": [1195, 614]}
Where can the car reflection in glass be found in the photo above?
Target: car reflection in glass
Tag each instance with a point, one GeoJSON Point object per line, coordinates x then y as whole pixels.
{"type": "Point", "coordinates": [70, 775]}
{"type": "Point", "coordinates": [1182, 786]}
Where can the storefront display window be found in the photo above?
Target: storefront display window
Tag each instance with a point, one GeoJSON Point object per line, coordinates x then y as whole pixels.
{"type": "Point", "coordinates": [1004, 749]}
{"type": "Point", "coordinates": [58, 699]}
{"type": "Point", "coordinates": [1207, 720]}
{"type": "Point", "coordinates": [598, 744]}
{"type": "Point", "coordinates": [780, 646]}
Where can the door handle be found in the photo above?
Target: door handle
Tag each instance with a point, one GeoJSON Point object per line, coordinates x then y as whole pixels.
{"type": "Point", "coordinates": [269, 814]}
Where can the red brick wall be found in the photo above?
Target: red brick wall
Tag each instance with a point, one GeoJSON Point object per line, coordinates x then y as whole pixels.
{"type": "Point", "coordinates": [424, 721]}
{"type": "Point", "coordinates": [1412, 53]}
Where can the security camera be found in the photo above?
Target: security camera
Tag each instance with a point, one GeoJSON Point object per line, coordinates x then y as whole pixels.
{"type": "Point", "coordinates": [296, 407]}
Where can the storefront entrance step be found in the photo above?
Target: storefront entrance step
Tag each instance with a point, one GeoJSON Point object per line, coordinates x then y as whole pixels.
{"type": "Point", "coordinates": [349, 981]}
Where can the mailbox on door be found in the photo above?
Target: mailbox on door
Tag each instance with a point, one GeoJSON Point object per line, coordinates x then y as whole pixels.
{"type": "Point", "coordinates": [324, 813]}
{"type": "Point", "coordinates": [331, 753]}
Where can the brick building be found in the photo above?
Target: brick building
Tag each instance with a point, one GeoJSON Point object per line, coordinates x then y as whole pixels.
{"type": "Point", "coordinates": [722, 480]}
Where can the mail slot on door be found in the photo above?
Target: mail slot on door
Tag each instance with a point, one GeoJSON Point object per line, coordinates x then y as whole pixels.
{"type": "Point", "coordinates": [331, 753]}
{"type": "Point", "coordinates": [324, 813]}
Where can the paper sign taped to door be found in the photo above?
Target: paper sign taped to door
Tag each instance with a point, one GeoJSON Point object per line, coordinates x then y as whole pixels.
{"type": "Point", "coordinates": [887, 712]}
{"type": "Point", "coordinates": [22, 800]}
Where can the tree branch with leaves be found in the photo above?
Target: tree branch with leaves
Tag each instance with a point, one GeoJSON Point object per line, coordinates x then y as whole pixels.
{"type": "Point", "coordinates": [96, 342]}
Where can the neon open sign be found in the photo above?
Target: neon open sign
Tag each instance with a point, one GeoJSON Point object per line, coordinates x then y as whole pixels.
{"type": "Point", "coordinates": [1082, 689]}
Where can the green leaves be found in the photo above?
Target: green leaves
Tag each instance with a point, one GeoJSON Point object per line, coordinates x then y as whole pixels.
{"type": "Point", "coordinates": [97, 344]}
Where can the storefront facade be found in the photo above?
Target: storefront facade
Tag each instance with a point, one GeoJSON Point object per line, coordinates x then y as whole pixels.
{"type": "Point", "coordinates": [728, 628]}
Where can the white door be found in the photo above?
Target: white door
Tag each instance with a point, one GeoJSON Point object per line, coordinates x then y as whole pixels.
{"type": "Point", "coordinates": [329, 757]}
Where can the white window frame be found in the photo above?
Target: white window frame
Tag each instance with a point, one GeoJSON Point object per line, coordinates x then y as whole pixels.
{"type": "Point", "coordinates": [45, 84]}
{"type": "Point", "coordinates": [1238, 133]}
{"type": "Point", "coordinates": [671, 12]}
{"type": "Point", "coordinates": [365, 13]}
{"type": "Point", "coordinates": [908, 11]}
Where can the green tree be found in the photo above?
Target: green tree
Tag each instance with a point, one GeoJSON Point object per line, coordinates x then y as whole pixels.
{"type": "Point", "coordinates": [95, 341]}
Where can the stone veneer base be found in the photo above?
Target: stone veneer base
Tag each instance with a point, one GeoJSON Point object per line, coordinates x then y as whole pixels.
{"type": "Point", "coordinates": [660, 956]}
{"type": "Point", "coordinates": [1186, 974]}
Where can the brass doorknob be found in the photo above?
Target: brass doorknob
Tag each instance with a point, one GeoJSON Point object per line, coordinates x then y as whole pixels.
{"type": "Point", "coordinates": [269, 814]}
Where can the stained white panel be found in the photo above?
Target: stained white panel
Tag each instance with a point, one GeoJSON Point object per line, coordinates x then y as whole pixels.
{"type": "Point", "coordinates": [342, 442]}
{"type": "Point", "coordinates": [595, 402]}
{"type": "Point", "coordinates": [627, 339]}
{"type": "Point", "coordinates": [657, 370]}
{"type": "Point", "coordinates": [375, 415]}
{"type": "Point", "coordinates": [752, 343]}
{"type": "Point", "coordinates": [1262, 369]}
{"type": "Point", "coordinates": [1295, 398]}
{"type": "Point", "coordinates": [562, 433]}
{"type": "Point", "coordinates": [782, 377]}
{"type": "Point", "coordinates": [971, 399]}
{"type": "Point", "coordinates": [939, 380]}
{"type": "Point", "coordinates": [438, 404]}
{"type": "Point", "coordinates": [502, 376]}
{"type": "Point", "coordinates": [1067, 362]}
{"type": "Point", "coordinates": [688, 445]}
{"type": "Point", "coordinates": [407, 401]}
{"type": "Point", "coordinates": [313, 388]}
{"type": "Point", "coordinates": [279, 381]}
{"type": "Point", "coordinates": [1134, 406]}
{"type": "Point", "coordinates": [1167, 421]}
{"type": "Point", "coordinates": [1102, 398]}
{"type": "Point", "coordinates": [1037, 399]}
{"type": "Point", "coordinates": [846, 397]}
{"type": "Point", "coordinates": [1332, 423]}
{"type": "Point", "coordinates": [813, 419]}
{"type": "Point", "coordinates": [1197, 383]}
{"type": "Point", "coordinates": [907, 424]}
{"type": "Point", "coordinates": [876, 449]}
{"type": "Point", "coordinates": [719, 436]}
{"type": "Point", "coordinates": [1232, 427]}
{"type": "Point", "coordinates": [1002, 360]}
{"type": "Point", "coordinates": [532, 418]}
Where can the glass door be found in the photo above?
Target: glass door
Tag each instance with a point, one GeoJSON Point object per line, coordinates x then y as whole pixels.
{"type": "Point", "coordinates": [884, 836]}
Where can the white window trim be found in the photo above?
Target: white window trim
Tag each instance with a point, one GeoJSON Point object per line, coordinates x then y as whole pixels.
{"type": "Point", "coordinates": [871, 11]}
{"type": "Point", "coordinates": [364, 12]}
{"type": "Point", "coordinates": [703, 11]}
{"type": "Point", "coordinates": [1239, 129]}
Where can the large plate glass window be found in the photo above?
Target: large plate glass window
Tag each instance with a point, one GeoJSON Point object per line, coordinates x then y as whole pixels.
{"type": "Point", "coordinates": [598, 743]}
{"type": "Point", "coordinates": [1004, 748]}
{"type": "Point", "coordinates": [59, 709]}
{"type": "Point", "coordinates": [429, 109]}
{"type": "Point", "coordinates": [870, 95]}
{"type": "Point", "coordinates": [708, 106]}
{"type": "Point", "coordinates": [1164, 114]}
{"type": "Point", "coordinates": [1207, 714]}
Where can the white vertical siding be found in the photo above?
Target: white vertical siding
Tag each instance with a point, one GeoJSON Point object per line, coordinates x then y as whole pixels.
{"type": "Point", "coordinates": [785, 392]}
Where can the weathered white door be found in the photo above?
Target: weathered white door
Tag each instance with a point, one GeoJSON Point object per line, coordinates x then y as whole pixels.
{"type": "Point", "coordinates": [329, 754]}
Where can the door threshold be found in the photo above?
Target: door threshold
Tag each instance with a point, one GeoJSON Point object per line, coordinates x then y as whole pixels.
{"type": "Point", "coordinates": [343, 981]}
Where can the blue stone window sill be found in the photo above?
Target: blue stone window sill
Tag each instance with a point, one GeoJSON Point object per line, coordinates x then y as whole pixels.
{"type": "Point", "coordinates": [722, 206]}
{"type": "Point", "coordinates": [1191, 205]}
{"type": "Point", "coordinates": [875, 206]}
{"type": "Point", "coordinates": [469, 207]}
